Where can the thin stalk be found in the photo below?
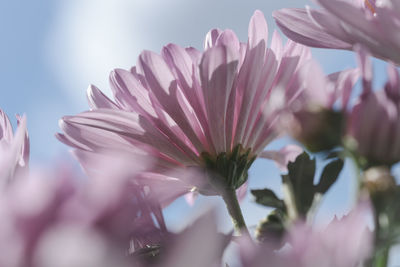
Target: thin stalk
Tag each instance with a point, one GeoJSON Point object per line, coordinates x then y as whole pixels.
{"type": "Point", "coordinates": [381, 258]}
{"type": "Point", "coordinates": [232, 204]}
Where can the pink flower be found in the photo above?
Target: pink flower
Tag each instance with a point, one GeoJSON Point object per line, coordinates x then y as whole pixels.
{"type": "Point", "coordinates": [216, 109]}
{"type": "Point", "coordinates": [342, 24]}
{"type": "Point", "coordinates": [14, 149]}
{"type": "Point", "coordinates": [53, 219]}
{"type": "Point", "coordinates": [346, 242]}
{"type": "Point", "coordinates": [317, 115]}
{"type": "Point", "coordinates": [374, 121]}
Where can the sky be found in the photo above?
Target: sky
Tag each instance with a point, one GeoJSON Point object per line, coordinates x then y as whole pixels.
{"type": "Point", "coordinates": [51, 50]}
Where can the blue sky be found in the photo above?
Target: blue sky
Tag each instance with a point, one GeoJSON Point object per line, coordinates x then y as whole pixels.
{"type": "Point", "coordinates": [50, 51]}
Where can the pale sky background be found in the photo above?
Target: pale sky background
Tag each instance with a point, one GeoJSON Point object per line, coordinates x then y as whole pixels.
{"type": "Point", "coordinates": [50, 51]}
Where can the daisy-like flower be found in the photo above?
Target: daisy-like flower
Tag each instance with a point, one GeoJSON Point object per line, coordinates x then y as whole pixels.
{"type": "Point", "coordinates": [374, 121]}
{"type": "Point", "coordinates": [342, 24]}
{"type": "Point", "coordinates": [216, 109]}
{"type": "Point", "coordinates": [14, 149]}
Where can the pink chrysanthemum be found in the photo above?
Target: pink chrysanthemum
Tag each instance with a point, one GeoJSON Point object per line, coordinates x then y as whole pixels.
{"type": "Point", "coordinates": [374, 122]}
{"type": "Point", "coordinates": [342, 24]}
{"type": "Point", "coordinates": [216, 109]}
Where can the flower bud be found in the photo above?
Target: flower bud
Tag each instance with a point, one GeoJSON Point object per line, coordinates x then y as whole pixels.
{"type": "Point", "coordinates": [378, 180]}
{"type": "Point", "coordinates": [319, 130]}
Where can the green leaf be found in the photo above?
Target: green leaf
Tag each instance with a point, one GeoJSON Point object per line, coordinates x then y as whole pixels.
{"type": "Point", "coordinates": [267, 197]}
{"type": "Point", "coordinates": [329, 175]}
{"type": "Point", "coordinates": [301, 176]}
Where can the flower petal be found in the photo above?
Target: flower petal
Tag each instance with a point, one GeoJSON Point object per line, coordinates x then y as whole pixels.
{"type": "Point", "coordinates": [97, 99]}
{"type": "Point", "coordinates": [283, 156]}
{"type": "Point", "coordinates": [297, 25]}
{"type": "Point", "coordinates": [218, 70]}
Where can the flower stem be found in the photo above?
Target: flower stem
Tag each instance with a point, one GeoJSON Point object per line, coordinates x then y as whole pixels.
{"type": "Point", "coordinates": [382, 258]}
{"type": "Point", "coordinates": [232, 203]}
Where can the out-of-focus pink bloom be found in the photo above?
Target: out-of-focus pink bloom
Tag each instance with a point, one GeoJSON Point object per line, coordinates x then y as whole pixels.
{"type": "Point", "coordinates": [342, 24]}
{"type": "Point", "coordinates": [189, 108]}
{"type": "Point", "coordinates": [316, 117]}
{"type": "Point", "coordinates": [48, 221]}
{"type": "Point", "coordinates": [199, 245]}
{"type": "Point", "coordinates": [374, 122]}
{"type": "Point", "coordinates": [14, 149]}
{"type": "Point", "coordinates": [59, 221]}
{"type": "Point", "coordinates": [322, 91]}
{"type": "Point", "coordinates": [346, 242]}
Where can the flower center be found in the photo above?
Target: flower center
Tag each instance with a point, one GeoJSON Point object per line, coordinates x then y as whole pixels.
{"type": "Point", "coordinates": [229, 170]}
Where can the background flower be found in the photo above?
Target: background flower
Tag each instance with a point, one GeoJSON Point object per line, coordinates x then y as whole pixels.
{"type": "Point", "coordinates": [374, 122]}
{"type": "Point", "coordinates": [342, 24]}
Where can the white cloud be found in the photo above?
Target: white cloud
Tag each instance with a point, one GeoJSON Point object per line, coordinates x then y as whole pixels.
{"type": "Point", "coordinates": [91, 37]}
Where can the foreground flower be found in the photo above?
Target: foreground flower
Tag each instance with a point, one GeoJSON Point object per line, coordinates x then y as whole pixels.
{"type": "Point", "coordinates": [14, 149]}
{"type": "Point", "coordinates": [52, 220]}
{"type": "Point", "coordinates": [342, 24]}
{"type": "Point", "coordinates": [374, 122]}
{"type": "Point", "coordinates": [346, 242]}
{"type": "Point", "coordinates": [215, 109]}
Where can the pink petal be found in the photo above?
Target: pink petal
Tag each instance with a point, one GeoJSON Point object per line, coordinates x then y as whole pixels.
{"type": "Point", "coordinates": [105, 128]}
{"type": "Point", "coordinates": [345, 84]}
{"type": "Point", "coordinates": [228, 38]}
{"type": "Point", "coordinates": [211, 38]}
{"type": "Point", "coordinates": [268, 71]}
{"type": "Point", "coordinates": [97, 99]}
{"type": "Point", "coordinates": [283, 156]}
{"type": "Point", "coordinates": [5, 127]}
{"type": "Point", "coordinates": [241, 192]}
{"type": "Point", "coordinates": [164, 86]}
{"type": "Point", "coordinates": [218, 69]}
{"type": "Point", "coordinates": [276, 45]}
{"type": "Point", "coordinates": [297, 25]}
{"type": "Point", "coordinates": [250, 77]}
{"type": "Point", "coordinates": [258, 30]}
{"type": "Point", "coordinates": [191, 198]}
{"type": "Point", "coordinates": [392, 87]}
{"type": "Point", "coordinates": [130, 93]}
{"type": "Point", "coordinates": [365, 66]}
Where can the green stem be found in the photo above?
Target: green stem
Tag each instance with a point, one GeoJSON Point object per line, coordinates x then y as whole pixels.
{"type": "Point", "coordinates": [381, 258]}
{"type": "Point", "coordinates": [229, 196]}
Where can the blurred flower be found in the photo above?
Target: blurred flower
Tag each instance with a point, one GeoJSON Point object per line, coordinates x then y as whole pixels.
{"type": "Point", "coordinates": [342, 24]}
{"type": "Point", "coordinates": [374, 122]}
{"type": "Point", "coordinates": [216, 109]}
{"type": "Point", "coordinates": [346, 242]}
{"type": "Point", "coordinates": [317, 115]}
{"type": "Point", "coordinates": [52, 219]}
{"type": "Point", "coordinates": [14, 149]}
